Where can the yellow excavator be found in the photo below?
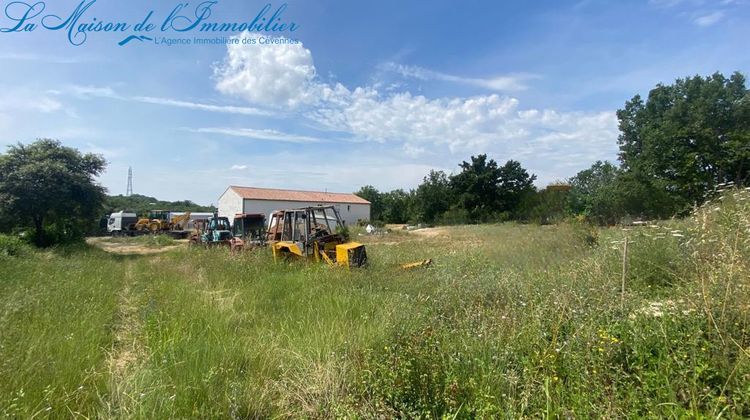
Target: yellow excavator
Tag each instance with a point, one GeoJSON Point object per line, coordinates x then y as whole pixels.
{"type": "Point", "coordinates": [315, 233]}
{"type": "Point", "coordinates": [158, 221]}
{"type": "Point", "coordinates": [180, 222]}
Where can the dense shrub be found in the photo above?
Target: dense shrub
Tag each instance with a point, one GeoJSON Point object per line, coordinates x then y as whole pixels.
{"type": "Point", "coordinates": [13, 246]}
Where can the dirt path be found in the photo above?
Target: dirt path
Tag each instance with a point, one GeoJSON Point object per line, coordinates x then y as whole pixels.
{"type": "Point", "coordinates": [124, 248]}
{"type": "Point", "coordinates": [431, 232]}
{"type": "Point", "coordinates": [127, 352]}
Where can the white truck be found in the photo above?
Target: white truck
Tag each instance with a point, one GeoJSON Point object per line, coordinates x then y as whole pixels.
{"type": "Point", "coordinates": [121, 223]}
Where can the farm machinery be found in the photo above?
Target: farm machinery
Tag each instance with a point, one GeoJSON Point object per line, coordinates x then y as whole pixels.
{"type": "Point", "coordinates": [314, 233]}
{"type": "Point", "coordinates": [251, 228]}
{"type": "Point", "coordinates": [159, 221]}
{"type": "Point", "coordinates": [215, 231]}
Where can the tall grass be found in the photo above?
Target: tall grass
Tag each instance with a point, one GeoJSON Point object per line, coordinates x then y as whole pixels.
{"type": "Point", "coordinates": [510, 321]}
{"type": "Point", "coordinates": [56, 318]}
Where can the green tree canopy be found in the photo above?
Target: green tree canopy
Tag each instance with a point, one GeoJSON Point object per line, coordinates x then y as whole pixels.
{"type": "Point", "coordinates": [397, 206]}
{"type": "Point", "coordinates": [142, 204]}
{"type": "Point", "coordinates": [476, 187]}
{"type": "Point", "coordinates": [484, 189]}
{"type": "Point", "coordinates": [587, 186]}
{"type": "Point", "coordinates": [433, 196]}
{"type": "Point", "coordinates": [371, 194]}
{"type": "Point", "coordinates": [605, 194]}
{"type": "Point", "coordinates": [514, 185]}
{"type": "Point", "coordinates": [51, 189]}
{"type": "Point", "coordinates": [689, 136]}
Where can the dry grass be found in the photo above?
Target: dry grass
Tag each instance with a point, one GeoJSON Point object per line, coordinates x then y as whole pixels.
{"type": "Point", "coordinates": [511, 320]}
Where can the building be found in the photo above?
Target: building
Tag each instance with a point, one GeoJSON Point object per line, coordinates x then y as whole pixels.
{"type": "Point", "coordinates": [236, 200]}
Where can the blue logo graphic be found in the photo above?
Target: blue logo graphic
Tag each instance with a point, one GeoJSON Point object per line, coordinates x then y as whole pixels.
{"type": "Point", "coordinates": [133, 38]}
{"type": "Point", "coordinates": [80, 22]}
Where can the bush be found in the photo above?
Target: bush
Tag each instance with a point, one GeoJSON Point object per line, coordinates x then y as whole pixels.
{"type": "Point", "coordinates": [455, 216]}
{"type": "Point", "coordinates": [13, 246]}
{"type": "Point", "coordinates": [584, 231]}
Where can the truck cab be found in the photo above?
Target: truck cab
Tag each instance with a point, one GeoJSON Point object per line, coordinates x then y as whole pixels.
{"type": "Point", "coordinates": [121, 223]}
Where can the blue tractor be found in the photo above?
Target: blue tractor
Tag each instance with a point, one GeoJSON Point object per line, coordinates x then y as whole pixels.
{"type": "Point", "coordinates": [216, 231]}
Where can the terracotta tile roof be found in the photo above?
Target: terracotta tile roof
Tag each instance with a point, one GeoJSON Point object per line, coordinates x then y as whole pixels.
{"type": "Point", "coordinates": [294, 195]}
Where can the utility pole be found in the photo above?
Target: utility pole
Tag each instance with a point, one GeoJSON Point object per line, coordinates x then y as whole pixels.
{"type": "Point", "coordinates": [129, 190]}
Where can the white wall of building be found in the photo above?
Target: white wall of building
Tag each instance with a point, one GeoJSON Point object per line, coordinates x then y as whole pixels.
{"type": "Point", "coordinates": [230, 203]}
{"type": "Point", "coordinates": [349, 213]}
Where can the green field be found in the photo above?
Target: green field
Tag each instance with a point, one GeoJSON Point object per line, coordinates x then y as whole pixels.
{"type": "Point", "coordinates": [510, 321]}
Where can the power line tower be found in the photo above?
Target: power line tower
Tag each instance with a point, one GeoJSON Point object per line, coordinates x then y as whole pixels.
{"type": "Point", "coordinates": [129, 191]}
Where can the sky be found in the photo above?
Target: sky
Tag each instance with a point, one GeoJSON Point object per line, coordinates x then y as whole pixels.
{"type": "Point", "coordinates": [358, 93]}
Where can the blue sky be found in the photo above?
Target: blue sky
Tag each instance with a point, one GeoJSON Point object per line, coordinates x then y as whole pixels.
{"type": "Point", "coordinates": [375, 92]}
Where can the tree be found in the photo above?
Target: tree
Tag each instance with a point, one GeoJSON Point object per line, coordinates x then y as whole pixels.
{"type": "Point", "coordinates": [476, 187]}
{"type": "Point", "coordinates": [588, 184]}
{"type": "Point", "coordinates": [549, 205]}
{"type": "Point", "coordinates": [606, 194]}
{"type": "Point", "coordinates": [486, 191]}
{"type": "Point", "coordinates": [433, 196]}
{"type": "Point", "coordinates": [51, 189]}
{"type": "Point", "coordinates": [142, 204]}
{"type": "Point", "coordinates": [371, 194]}
{"type": "Point", "coordinates": [514, 185]}
{"type": "Point", "coordinates": [688, 137]}
{"type": "Point", "coordinates": [397, 206]}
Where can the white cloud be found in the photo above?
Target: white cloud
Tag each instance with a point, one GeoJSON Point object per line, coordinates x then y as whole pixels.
{"type": "Point", "coordinates": [238, 167]}
{"type": "Point", "coordinates": [421, 126]}
{"type": "Point", "coordinates": [108, 92]}
{"type": "Point", "coordinates": [276, 75]}
{"type": "Point", "coordinates": [703, 13]}
{"type": "Point", "coordinates": [506, 83]}
{"type": "Point", "coordinates": [265, 134]}
{"type": "Point", "coordinates": [199, 106]}
{"type": "Point", "coordinates": [467, 125]}
{"type": "Point", "coordinates": [28, 100]}
{"type": "Point", "coordinates": [709, 19]}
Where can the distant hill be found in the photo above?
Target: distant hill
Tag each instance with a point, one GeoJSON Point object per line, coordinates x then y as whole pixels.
{"type": "Point", "coordinates": [142, 204]}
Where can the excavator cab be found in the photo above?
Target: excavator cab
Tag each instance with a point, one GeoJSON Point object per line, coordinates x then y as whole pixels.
{"type": "Point", "coordinates": [250, 227]}
{"type": "Point", "coordinates": [216, 231]}
{"type": "Point", "coordinates": [316, 233]}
